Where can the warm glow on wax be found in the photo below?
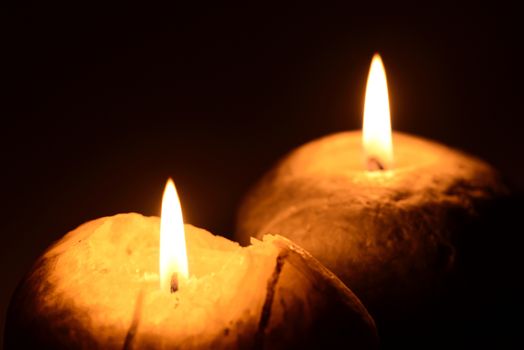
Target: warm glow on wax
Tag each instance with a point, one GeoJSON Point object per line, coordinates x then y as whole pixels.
{"type": "Point", "coordinates": [376, 139]}
{"type": "Point", "coordinates": [173, 255]}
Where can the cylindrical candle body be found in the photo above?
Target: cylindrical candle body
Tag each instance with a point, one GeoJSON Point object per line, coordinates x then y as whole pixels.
{"type": "Point", "coordinates": [98, 288]}
{"type": "Point", "coordinates": [391, 235]}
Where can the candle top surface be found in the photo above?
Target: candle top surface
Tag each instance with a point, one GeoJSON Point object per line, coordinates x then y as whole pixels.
{"type": "Point", "coordinates": [343, 152]}
{"type": "Point", "coordinates": [418, 162]}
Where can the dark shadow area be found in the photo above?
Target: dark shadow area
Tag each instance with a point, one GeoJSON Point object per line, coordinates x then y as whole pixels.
{"type": "Point", "coordinates": [476, 307]}
{"type": "Point", "coordinates": [104, 103]}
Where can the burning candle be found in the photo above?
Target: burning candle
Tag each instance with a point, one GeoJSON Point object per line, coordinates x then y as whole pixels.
{"type": "Point", "coordinates": [99, 288]}
{"type": "Point", "coordinates": [383, 211]}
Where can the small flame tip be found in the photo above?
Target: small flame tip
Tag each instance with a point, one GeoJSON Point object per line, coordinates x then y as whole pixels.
{"type": "Point", "coordinates": [377, 58]}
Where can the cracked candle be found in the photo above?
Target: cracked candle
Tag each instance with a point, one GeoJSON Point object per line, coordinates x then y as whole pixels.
{"type": "Point", "coordinates": [98, 288]}
{"type": "Point", "coordinates": [386, 220]}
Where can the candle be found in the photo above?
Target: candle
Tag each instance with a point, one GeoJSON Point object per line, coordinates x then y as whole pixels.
{"type": "Point", "coordinates": [383, 211]}
{"type": "Point", "coordinates": [99, 287]}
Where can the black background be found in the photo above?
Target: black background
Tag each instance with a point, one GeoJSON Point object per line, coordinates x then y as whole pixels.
{"type": "Point", "coordinates": [103, 103]}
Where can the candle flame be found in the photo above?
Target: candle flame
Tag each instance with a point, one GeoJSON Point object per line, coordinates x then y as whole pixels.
{"type": "Point", "coordinates": [376, 139]}
{"type": "Point", "coordinates": [173, 255]}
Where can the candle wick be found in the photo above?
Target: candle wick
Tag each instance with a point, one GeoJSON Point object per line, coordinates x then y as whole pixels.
{"type": "Point", "coordinates": [374, 164]}
{"type": "Point", "coordinates": [174, 282]}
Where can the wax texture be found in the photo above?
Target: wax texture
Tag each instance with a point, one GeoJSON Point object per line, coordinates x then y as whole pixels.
{"type": "Point", "coordinates": [98, 288]}
{"type": "Point", "coordinates": [392, 236]}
